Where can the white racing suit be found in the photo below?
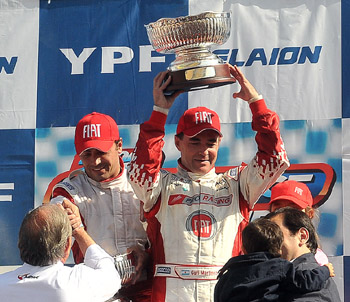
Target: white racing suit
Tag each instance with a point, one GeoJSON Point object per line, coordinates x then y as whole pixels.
{"type": "Point", "coordinates": [110, 211]}
{"type": "Point", "coordinates": [195, 221]}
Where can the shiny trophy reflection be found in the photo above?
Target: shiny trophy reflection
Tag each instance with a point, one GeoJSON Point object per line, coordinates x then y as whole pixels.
{"type": "Point", "coordinates": [191, 39]}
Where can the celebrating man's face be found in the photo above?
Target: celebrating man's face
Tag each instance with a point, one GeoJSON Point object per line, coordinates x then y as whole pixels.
{"type": "Point", "coordinates": [199, 153]}
{"type": "Point", "coordinates": [100, 165]}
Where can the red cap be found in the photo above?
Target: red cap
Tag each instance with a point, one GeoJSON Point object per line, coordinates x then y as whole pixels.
{"type": "Point", "coordinates": [196, 120]}
{"type": "Point", "coordinates": [294, 191]}
{"type": "Point", "coordinates": [95, 130]}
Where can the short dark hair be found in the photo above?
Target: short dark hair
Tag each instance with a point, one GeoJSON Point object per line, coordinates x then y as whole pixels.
{"type": "Point", "coordinates": [294, 219]}
{"type": "Point", "coordinates": [43, 235]}
{"type": "Point", "coordinates": [262, 235]}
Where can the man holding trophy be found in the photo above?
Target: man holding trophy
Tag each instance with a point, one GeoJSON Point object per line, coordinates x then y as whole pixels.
{"type": "Point", "coordinates": [195, 216]}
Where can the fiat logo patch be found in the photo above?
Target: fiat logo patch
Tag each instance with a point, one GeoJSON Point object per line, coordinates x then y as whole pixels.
{"type": "Point", "coordinates": [201, 225]}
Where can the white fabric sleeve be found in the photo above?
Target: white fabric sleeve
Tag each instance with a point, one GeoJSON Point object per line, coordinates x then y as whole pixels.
{"type": "Point", "coordinates": [98, 273]}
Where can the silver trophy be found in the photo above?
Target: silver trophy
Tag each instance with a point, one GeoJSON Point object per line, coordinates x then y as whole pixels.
{"type": "Point", "coordinates": [191, 38]}
{"type": "Point", "coordinates": [125, 265]}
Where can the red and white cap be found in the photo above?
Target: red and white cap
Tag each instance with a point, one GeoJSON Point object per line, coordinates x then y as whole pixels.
{"type": "Point", "coordinates": [198, 119]}
{"type": "Point", "coordinates": [294, 191]}
{"type": "Point", "coordinates": [95, 130]}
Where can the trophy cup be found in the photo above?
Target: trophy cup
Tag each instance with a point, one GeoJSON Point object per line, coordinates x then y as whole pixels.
{"type": "Point", "coordinates": [190, 38]}
{"type": "Point", "coordinates": [125, 265]}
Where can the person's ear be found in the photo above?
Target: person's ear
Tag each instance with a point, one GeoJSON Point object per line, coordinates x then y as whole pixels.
{"type": "Point", "coordinates": [119, 145]}
{"type": "Point", "coordinates": [303, 234]}
{"type": "Point", "coordinates": [177, 142]}
{"type": "Point", "coordinates": [67, 249]}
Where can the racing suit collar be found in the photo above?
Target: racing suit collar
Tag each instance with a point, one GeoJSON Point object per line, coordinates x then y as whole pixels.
{"type": "Point", "coordinates": [182, 171]}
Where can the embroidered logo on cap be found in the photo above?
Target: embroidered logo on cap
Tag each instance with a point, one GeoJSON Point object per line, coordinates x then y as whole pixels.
{"type": "Point", "coordinates": [299, 191]}
{"type": "Point", "coordinates": [196, 120]}
{"type": "Point", "coordinates": [203, 117]}
{"type": "Point", "coordinates": [93, 130]}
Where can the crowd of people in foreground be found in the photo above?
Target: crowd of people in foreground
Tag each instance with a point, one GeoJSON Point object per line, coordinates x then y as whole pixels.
{"type": "Point", "coordinates": [144, 234]}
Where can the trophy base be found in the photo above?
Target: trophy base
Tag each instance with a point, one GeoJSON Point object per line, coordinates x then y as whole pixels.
{"type": "Point", "coordinates": [199, 78]}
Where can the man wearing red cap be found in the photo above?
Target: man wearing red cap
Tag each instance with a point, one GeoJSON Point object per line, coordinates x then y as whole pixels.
{"type": "Point", "coordinates": [195, 216]}
{"type": "Point", "coordinates": [297, 195]}
{"type": "Point", "coordinates": [106, 201]}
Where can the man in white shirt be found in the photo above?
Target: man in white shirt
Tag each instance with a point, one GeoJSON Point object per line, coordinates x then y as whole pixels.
{"type": "Point", "coordinates": [45, 239]}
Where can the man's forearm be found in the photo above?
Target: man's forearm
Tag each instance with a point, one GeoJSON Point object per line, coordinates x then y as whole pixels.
{"type": "Point", "coordinates": [144, 167]}
{"type": "Point", "coordinates": [83, 239]}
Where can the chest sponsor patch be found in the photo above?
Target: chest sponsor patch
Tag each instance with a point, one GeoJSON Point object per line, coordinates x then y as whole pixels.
{"type": "Point", "coordinates": [201, 225]}
{"type": "Point", "coordinates": [219, 201]}
{"type": "Point", "coordinates": [163, 270]}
